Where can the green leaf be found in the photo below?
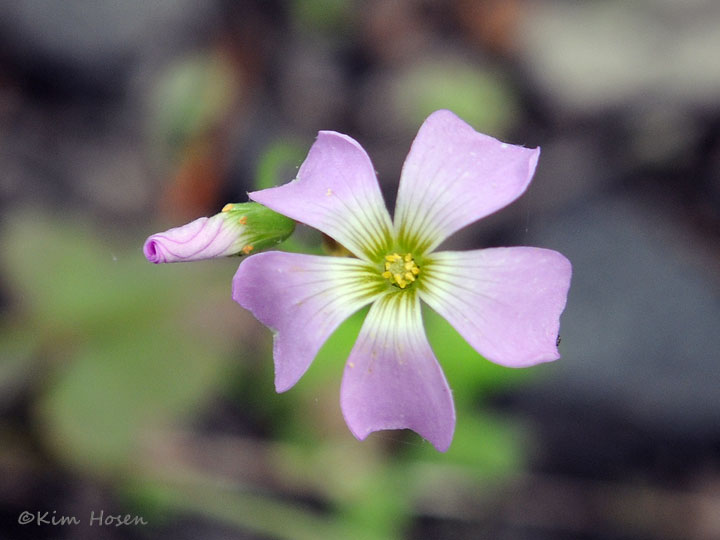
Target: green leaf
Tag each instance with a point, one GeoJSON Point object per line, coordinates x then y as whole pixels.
{"type": "Point", "coordinates": [69, 280]}
{"type": "Point", "coordinates": [278, 164]}
{"type": "Point", "coordinates": [193, 95]}
{"type": "Point", "coordinates": [126, 346]}
{"type": "Point", "coordinates": [114, 393]}
{"type": "Point", "coordinates": [480, 96]}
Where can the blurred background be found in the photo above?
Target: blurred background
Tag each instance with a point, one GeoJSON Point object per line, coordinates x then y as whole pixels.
{"type": "Point", "coordinates": [141, 390]}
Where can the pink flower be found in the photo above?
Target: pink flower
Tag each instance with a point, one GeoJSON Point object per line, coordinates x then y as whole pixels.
{"type": "Point", "coordinates": [506, 302]}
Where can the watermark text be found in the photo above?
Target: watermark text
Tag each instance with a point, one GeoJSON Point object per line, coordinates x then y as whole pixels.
{"type": "Point", "coordinates": [97, 518]}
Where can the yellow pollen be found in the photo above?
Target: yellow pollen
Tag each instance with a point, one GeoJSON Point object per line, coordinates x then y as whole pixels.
{"type": "Point", "coordinates": [242, 220]}
{"type": "Point", "coordinates": [247, 249]}
{"type": "Point", "coordinates": [400, 270]}
{"type": "Point", "coordinates": [227, 207]}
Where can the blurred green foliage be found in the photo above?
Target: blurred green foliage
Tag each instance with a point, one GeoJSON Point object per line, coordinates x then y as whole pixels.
{"type": "Point", "coordinates": [192, 97]}
{"type": "Point", "coordinates": [104, 332]}
{"type": "Point", "coordinates": [330, 17]}
{"type": "Point", "coordinates": [480, 96]}
{"type": "Point", "coordinates": [279, 164]}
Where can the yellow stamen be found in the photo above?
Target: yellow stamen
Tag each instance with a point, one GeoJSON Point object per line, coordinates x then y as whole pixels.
{"type": "Point", "coordinates": [247, 249]}
{"type": "Point", "coordinates": [227, 207]}
{"type": "Point", "coordinates": [242, 220]}
{"type": "Point", "coordinates": [400, 270]}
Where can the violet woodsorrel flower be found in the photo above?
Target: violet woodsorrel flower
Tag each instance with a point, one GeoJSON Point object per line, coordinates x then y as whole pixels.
{"type": "Point", "coordinates": [506, 302]}
{"type": "Point", "coordinates": [240, 229]}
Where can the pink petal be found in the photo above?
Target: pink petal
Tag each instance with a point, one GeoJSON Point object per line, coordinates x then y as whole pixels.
{"type": "Point", "coordinates": [454, 176]}
{"type": "Point", "coordinates": [303, 298]}
{"type": "Point", "coordinates": [204, 238]}
{"type": "Point", "coordinates": [392, 379]}
{"type": "Point", "coordinates": [506, 302]}
{"type": "Point", "coordinates": [336, 191]}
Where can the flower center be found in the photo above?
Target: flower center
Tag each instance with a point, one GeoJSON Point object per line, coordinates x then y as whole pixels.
{"type": "Point", "coordinates": [400, 270]}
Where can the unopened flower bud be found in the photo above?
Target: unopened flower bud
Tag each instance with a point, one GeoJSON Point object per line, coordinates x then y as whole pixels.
{"type": "Point", "coordinates": [240, 229]}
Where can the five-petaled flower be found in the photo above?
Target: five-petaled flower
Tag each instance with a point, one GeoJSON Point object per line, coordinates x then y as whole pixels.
{"type": "Point", "coordinates": [506, 302]}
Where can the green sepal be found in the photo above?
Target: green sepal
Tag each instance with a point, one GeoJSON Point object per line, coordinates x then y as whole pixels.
{"type": "Point", "coordinates": [263, 228]}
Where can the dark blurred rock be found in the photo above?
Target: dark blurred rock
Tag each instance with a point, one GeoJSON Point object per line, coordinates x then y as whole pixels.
{"type": "Point", "coordinates": [640, 336]}
{"type": "Point", "coordinates": [89, 45]}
